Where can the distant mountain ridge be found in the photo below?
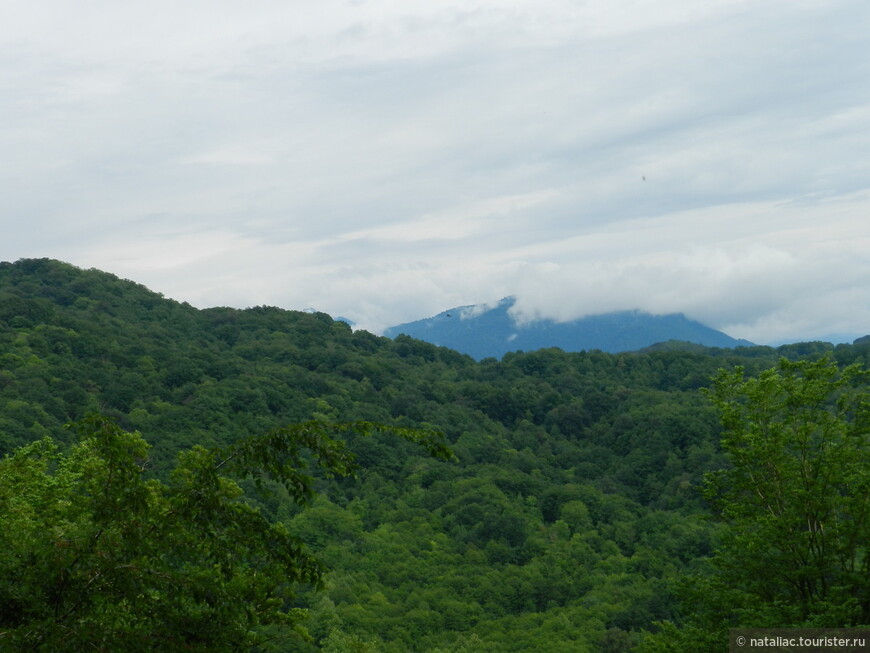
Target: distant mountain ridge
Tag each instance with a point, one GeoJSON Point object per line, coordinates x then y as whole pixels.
{"type": "Point", "coordinates": [483, 332]}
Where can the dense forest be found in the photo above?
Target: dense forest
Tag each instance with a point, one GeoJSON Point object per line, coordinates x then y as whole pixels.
{"type": "Point", "coordinates": [574, 502]}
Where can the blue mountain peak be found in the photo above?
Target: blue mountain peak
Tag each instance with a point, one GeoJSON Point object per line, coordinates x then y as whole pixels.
{"type": "Point", "coordinates": [485, 330]}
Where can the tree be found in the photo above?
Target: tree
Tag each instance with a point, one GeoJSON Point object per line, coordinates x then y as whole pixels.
{"type": "Point", "coordinates": [94, 555]}
{"type": "Point", "coordinates": [795, 501]}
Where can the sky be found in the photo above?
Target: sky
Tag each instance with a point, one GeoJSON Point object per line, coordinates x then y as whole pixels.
{"type": "Point", "coordinates": [384, 160]}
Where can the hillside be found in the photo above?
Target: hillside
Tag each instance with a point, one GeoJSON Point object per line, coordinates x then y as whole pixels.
{"type": "Point", "coordinates": [483, 332]}
{"type": "Point", "coordinates": [565, 524]}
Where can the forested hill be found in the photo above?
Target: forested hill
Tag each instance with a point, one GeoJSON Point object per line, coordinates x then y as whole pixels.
{"type": "Point", "coordinates": [564, 525]}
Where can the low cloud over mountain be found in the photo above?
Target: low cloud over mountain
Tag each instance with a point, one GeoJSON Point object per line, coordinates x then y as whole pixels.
{"type": "Point", "coordinates": [482, 331]}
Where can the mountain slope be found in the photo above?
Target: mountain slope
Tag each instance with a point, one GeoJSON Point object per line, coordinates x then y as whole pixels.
{"type": "Point", "coordinates": [571, 510]}
{"type": "Point", "coordinates": [482, 333]}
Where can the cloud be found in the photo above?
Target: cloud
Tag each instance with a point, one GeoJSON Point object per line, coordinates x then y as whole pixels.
{"type": "Point", "coordinates": [731, 267]}
{"type": "Point", "coordinates": [386, 160]}
{"type": "Point", "coordinates": [456, 223]}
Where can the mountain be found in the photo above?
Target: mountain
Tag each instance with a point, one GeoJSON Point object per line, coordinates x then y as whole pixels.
{"type": "Point", "coordinates": [482, 332]}
{"type": "Point", "coordinates": [573, 507]}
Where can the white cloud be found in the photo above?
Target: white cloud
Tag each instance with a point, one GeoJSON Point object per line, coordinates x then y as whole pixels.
{"type": "Point", "coordinates": [386, 160]}
{"type": "Point", "coordinates": [478, 219]}
{"type": "Point", "coordinates": [731, 267]}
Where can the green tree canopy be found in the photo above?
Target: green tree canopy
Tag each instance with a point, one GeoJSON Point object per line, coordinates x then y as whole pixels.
{"type": "Point", "coordinates": [795, 500]}
{"type": "Point", "coordinates": [94, 555]}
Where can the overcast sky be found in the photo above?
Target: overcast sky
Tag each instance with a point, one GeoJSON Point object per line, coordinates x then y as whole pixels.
{"type": "Point", "coordinates": [384, 160]}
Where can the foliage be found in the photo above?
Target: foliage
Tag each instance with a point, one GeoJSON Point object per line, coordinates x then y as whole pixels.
{"type": "Point", "coordinates": [795, 499]}
{"type": "Point", "coordinates": [574, 507]}
{"type": "Point", "coordinates": [95, 555]}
